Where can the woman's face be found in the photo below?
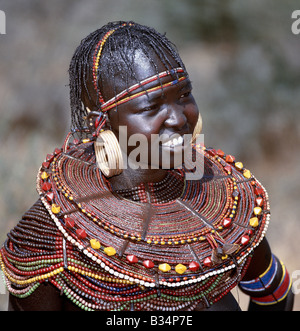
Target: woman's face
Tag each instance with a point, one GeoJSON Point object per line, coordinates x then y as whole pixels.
{"type": "Point", "coordinates": [155, 119]}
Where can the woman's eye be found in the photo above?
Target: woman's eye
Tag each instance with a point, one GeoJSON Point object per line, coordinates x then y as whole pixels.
{"type": "Point", "coordinates": [150, 108]}
{"type": "Point", "coordinates": [185, 95]}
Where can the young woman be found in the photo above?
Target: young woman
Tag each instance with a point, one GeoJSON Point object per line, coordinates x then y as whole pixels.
{"type": "Point", "coordinates": [124, 221]}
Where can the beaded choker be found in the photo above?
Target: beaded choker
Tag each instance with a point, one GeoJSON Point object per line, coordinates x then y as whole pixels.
{"type": "Point", "coordinates": [173, 252]}
{"type": "Point", "coordinates": [170, 188]}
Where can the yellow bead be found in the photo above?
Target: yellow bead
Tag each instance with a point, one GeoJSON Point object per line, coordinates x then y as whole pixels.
{"type": "Point", "coordinates": [95, 243]}
{"type": "Point", "coordinates": [254, 222]}
{"type": "Point", "coordinates": [165, 267]}
{"type": "Point", "coordinates": [109, 251]}
{"type": "Point", "coordinates": [239, 165]}
{"type": "Point", "coordinates": [257, 211]}
{"type": "Point", "coordinates": [180, 268]}
{"type": "Point", "coordinates": [55, 208]}
{"type": "Point", "coordinates": [247, 173]}
{"type": "Point", "coordinates": [44, 175]}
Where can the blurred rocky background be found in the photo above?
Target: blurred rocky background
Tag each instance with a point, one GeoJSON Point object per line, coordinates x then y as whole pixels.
{"type": "Point", "coordinates": [244, 63]}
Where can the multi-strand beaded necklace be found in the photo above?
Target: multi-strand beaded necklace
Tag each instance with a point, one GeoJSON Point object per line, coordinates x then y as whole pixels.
{"type": "Point", "coordinates": [155, 247]}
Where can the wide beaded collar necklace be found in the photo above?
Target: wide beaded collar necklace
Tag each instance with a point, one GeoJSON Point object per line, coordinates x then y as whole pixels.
{"type": "Point", "coordinates": [146, 249]}
{"type": "Point", "coordinates": [215, 223]}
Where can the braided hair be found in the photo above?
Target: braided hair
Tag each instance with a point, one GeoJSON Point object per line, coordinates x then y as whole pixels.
{"type": "Point", "coordinates": [120, 40]}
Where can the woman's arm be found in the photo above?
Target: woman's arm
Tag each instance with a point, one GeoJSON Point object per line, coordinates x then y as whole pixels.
{"type": "Point", "coordinates": [45, 298]}
{"type": "Point", "coordinates": [267, 282]}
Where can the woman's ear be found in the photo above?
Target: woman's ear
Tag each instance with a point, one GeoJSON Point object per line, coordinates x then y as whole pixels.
{"type": "Point", "coordinates": [91, 118]}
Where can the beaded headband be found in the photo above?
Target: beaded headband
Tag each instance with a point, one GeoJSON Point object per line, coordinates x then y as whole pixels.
{"type": "Point", "coordinates": [125, 96]}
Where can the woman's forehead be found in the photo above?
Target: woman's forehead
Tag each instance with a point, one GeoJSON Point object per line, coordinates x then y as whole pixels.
{"type": "Point", "coordinates": [145, 66]}
{"type": "Point", "coordinates": [142, 67]}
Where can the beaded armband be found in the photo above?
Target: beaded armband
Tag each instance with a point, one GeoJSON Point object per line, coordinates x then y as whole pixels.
{"type": "Point", "coordinates": [260, 285]}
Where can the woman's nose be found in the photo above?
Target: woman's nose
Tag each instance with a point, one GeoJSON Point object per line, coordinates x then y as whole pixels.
{"type": "Point", "coordinates": [175, 117]}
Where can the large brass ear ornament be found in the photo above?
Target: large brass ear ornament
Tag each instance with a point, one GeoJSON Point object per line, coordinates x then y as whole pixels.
{"type": "Point", "coordinates": [197, 129]}
{"type": "Point", "coordinates": [108, 154]}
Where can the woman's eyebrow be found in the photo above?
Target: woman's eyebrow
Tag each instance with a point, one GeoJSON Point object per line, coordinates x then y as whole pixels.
{"type": "Point", "coordinates": [156, 95]}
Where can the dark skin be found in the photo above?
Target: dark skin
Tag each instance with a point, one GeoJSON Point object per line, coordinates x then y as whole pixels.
{"type": "Point", "coordinates": [167, 112]}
